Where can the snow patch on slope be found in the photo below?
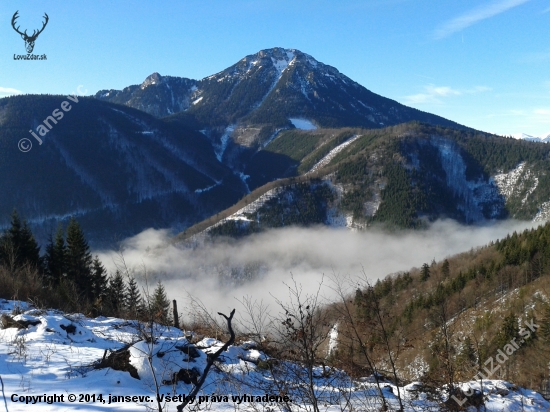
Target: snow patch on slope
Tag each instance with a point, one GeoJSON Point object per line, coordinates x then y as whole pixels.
{"type": "Point", "coordinates": [371, 206]}
{"type": "Point", "coordinates": [240, 215]}
{"type": "Point", "coordinates": [473, 195]}
{"type": "Point", "coordinates": [326, 160]}
{"type": "Point", "coordinates": [544, 213]}
{"type": "Point", "coordinates": [206, 189]}
{"type": "Point", "coordinates": [335, 216]}
{"type": "Point", "coordinates": [256, 204]}
{"type": "Point", "coordinates": [224, 141]}
{"type": "Point", "coordinates": [280, 65]}
{"type": "Point", "coordinates": [302, 124]}
{"type": "Point", "coordinates": [270, 138]}
{"type": "Point", "coordinates": [516, 182]}
{"type": "Point", "coordinates": [244, 179]}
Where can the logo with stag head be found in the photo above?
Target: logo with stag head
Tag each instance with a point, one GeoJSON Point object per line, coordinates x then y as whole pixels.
{"type": "Point", "coordinates": [29, 40]}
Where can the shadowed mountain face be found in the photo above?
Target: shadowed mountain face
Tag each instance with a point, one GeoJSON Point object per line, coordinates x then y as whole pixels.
{"type": "Point", "coordinates": [117, 169]}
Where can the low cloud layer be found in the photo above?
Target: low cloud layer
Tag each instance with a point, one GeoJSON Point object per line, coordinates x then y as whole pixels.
{"type": "Point", "coordinates": [259, 266]}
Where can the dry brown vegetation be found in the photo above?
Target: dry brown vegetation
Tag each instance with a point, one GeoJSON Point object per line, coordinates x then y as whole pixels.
{"type": "Point", "coordinates": [444, 326]}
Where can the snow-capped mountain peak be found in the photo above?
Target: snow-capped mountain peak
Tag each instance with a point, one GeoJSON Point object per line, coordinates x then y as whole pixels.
{"type": "Point", "coordinates": [530, 138]}
{"type": "Point", "coordinates": [268, 88]}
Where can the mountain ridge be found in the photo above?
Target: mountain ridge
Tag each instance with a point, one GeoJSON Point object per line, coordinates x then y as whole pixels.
{"type": "Point", "coordinates": [287, 81]}
{"type": "Point", "coordinates": [243, 108]}
{"type": "Point", "coordinates": [524, 136]}
{"type": "Point", "coordinates": [128, 170]}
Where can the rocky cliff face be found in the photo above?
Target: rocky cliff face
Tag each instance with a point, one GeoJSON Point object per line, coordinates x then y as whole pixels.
{"type": "Point", "coordinates": [478, 197]}
{"type": "Point", "coordinates": [158, 95]}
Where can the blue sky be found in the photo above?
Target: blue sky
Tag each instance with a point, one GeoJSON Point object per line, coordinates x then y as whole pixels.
{"type": "Point", "coordinates": [485, 64]}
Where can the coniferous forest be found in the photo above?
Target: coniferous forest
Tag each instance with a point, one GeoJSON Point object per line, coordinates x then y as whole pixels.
{"type": "Point", "coordinates": [66, 276]}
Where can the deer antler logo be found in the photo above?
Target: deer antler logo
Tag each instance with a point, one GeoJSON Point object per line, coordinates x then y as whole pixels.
{"type": "Point", "coordinates": [29, 40]}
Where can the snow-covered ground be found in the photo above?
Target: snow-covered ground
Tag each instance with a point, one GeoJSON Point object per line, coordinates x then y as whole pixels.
{"type": "Point", "coordinates": [56, 353]}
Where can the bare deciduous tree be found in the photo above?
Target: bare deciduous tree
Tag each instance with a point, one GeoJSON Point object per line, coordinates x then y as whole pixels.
{"type": "Point", "coordinates": [211, 359]}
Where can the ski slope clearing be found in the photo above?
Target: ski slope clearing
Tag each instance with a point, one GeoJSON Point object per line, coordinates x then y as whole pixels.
{"type": "Point", "coordinates": [47, 352]}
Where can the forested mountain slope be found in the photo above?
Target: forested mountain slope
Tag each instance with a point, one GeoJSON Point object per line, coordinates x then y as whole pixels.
{"type": "Point", "coordinates": [481, 315]}
{"type": "Point", "coordinates": [402, 176]}
{"type": "Point", "coordinates": [118, 169]}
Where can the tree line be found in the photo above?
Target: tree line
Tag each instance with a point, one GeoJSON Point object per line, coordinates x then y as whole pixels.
{"type": "Point", "coordinates": [68, 277]}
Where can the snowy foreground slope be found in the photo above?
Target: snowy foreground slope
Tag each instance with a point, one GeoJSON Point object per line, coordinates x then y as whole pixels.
{"type": "Point", "coordinates": [56, 353]}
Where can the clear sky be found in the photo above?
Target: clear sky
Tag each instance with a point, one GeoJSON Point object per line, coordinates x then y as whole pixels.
{"type": "Point", "coordinates": [483, 63]}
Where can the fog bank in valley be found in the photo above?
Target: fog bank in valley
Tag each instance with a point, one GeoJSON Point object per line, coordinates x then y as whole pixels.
{"type": "Point", "coordinates": [260, 265]}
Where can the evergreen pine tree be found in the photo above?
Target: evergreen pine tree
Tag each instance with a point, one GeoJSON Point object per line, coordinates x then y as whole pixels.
{"type": "Point", "coordinates": [425, 272]}
{"type": "Point", "coordinates": [134, 304]}
{"type": "Point", "coordinates": [48, 258]}
{"type": "Point", "coordinates": [18, 246]}
{"type": "Point", "coordinates": [445, 269]}
{"type": "Point", "coordinates": [116, 294]}
{"type": "Point", "coordinates": [160, 305]}
{"type": "Point", "coordinates": [79, 259]}
{"type": "Point", "coordinates": [468, 354]}
{"type": "Point", "coordinates": [508, 331]}
{"type": "Point", "coordinates": [99, 279]}
{"type": "Point", "coordinates": [545, 324]}
{"type": "Point", "coordinates": [30, 251]}
{"type": "Point", "coordinates": [10, 241]}
{"type": "Point", "coordinates": [55, 257]}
